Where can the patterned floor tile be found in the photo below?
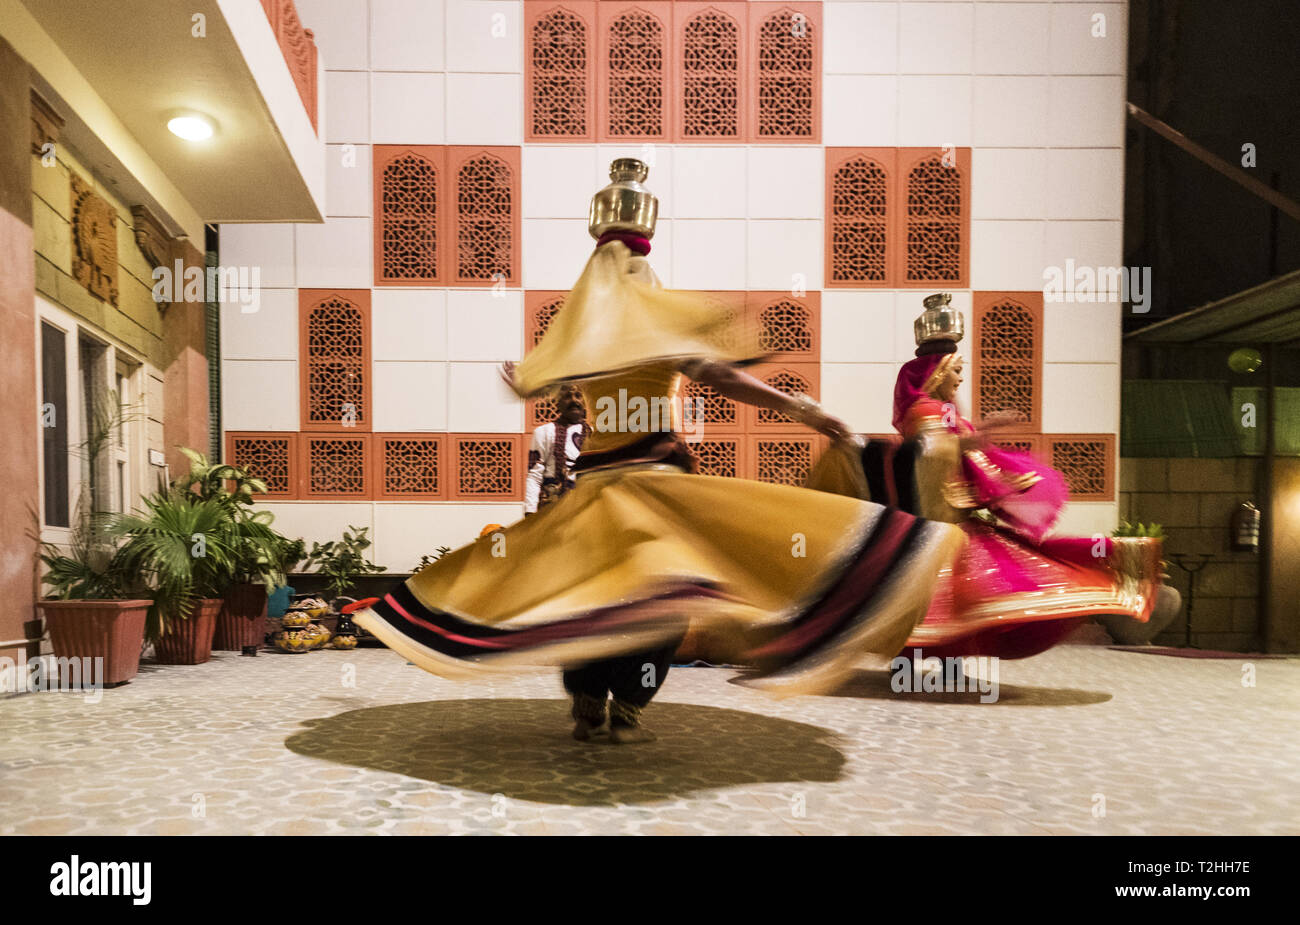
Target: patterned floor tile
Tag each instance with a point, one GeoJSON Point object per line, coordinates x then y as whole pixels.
{"type": "Point", "coordinates": [1081, 740]}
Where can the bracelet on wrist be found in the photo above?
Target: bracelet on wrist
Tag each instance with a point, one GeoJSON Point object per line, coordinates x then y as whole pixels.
{"type": "Point", "coordinates": [803, 407]}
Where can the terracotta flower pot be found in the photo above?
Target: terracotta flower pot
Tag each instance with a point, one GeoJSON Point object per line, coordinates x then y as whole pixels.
{"type": "Point", "coordinates": [189, 642]}
{"type": "Point", "coordinates": [111, 630]}
{"type": "Point", "coordinates": [242, 621]}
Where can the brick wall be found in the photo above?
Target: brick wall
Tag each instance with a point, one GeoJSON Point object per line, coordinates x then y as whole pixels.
{"type": "Point", "coordinates": [1194, 499]}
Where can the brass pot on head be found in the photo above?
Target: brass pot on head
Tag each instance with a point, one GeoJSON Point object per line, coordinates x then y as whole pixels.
{"type": "Point", "coordinates": [625, 205]}
{"type": "Point", "coordinates": [940, 321]}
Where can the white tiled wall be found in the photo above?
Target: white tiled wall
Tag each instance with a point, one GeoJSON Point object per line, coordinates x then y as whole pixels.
{"type": "Point", "coordinates": [408, 108]}
{"type": "Point", "coordinates": [334, 254]}
{"type": "Point", "coordinates": [1027, 85]}
{"type": "Point", "coordinates": [408, 324]}
{"type": "Point", "coordinates": [406, 531]}
{"type": "Point", "coordinates": [347, 180]}
{"type": "Point", "coordinates": [554, 177]}
{"type": "Point", "coordinates": [406, 35]}
{"type": "Point", "coordinates": [270, 333]}
{"type": "Point", "coordinates": [483, 109]}
{"type": "Point", "coordinates": [409, 396]}
{"type": "Point", "coordinates": [478, 401]}
{"type": "Point", "coordinates": [259, 395]}
{"type": "Point", "coordinates": [486, 37]}
{"type": "Point", "coordinates": [1040, 99]}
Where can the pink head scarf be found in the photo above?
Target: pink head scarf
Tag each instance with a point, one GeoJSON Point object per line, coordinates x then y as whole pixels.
{"type": "Point", "coordinates": [910, 387]}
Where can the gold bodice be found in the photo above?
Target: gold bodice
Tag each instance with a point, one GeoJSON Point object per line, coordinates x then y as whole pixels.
{"type": "Point", "coordinates": [625, 407]}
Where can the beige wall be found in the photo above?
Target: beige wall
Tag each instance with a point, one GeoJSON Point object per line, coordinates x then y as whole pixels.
{"type": "Point", "coordinates": [135, 321]}
{"type": "Point", "coordinates": [1194, 499]}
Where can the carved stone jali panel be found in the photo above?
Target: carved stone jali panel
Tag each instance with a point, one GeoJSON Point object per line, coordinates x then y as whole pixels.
{"type": "Point", "coordinates": [94, 242]}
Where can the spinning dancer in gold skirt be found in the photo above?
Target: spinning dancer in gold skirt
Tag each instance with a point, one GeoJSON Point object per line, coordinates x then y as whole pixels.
{"type": "Point", "coordinates": [803, 584]}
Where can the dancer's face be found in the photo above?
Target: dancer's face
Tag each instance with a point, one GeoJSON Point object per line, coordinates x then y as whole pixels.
{"type": "Point", "coordinates": [572, 407]}
{"type": "Point", "coordinates": [946, 390]}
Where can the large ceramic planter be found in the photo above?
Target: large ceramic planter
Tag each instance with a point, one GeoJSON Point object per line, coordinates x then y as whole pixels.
{"type": "Point", "coordinates": [1139, 558]}
{"type": "Point", "coordinates": [111, 630]}
{"type": "Point", "coordinates": [189, 642]}
{"type": "Point", "coordinates": [242, 621]}
{"type": "Point", "coordinates": [1129, 632]}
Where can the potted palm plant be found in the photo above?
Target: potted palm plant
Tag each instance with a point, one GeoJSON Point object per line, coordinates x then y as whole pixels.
{"type": "Point", "coordinates": [89, 613]}
{"type": "Point", "coordinates": [183, 551]}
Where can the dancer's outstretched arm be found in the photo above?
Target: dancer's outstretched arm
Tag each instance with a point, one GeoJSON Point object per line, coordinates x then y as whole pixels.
{"type": "Point", "coordinates": [738, 385]}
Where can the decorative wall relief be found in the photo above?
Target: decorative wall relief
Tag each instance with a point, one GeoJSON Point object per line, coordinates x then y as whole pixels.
{"type": "Point", "coordinates": [153, 239]}
{"type": "Point", "coordinates": [94, 242]}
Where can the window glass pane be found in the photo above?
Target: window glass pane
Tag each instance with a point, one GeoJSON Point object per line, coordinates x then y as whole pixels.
{"type": "Point", "coordinates": [96, 412]}
{"type": "Point", "coordinates": [121, 403]}
{"type": "Point", "coordinates": [54, 421]}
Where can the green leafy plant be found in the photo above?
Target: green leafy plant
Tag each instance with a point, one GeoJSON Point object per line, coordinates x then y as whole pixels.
{"type": "Point", "coordinates": [179, 549]}
{"type": "Point", "coordinates": [258, 548]}
{"type": "Point", "coordinates": [342, 561]}
{"type": "Point", "coordinates": [1139, 529]}
{"type": "Point", "coordinates": [225, 481]}
{"type": "Point", "coordinates": [429, 560]}
{"type": "Point", "coordinates": [84, 569]}
{"type": "Point", "coordinates": [81, 572]}
{"type": "Point", "coordinates": [290, 553]}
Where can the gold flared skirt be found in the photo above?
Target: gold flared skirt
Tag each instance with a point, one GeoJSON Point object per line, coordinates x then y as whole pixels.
{"type": "Point", "coordinates": [803, 584]}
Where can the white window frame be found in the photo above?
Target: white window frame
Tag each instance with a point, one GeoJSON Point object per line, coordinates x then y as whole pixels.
{"type": "Point", "coordinates": [132, 451]}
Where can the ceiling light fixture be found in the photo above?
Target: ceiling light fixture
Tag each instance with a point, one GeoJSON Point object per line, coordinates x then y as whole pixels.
{"type": "Point", "coordinates": [191, 127]}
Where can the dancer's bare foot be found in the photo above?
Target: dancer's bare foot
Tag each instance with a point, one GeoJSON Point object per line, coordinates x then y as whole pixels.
{"type": "Point", "coordinates": [585, 730]}
{"type": "Point", "coordinates": [630, 735]}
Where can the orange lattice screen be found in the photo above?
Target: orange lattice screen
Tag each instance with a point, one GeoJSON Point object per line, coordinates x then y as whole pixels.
{"type": "Point", "coordinates": [271, 457]}
{"type": "Point", "coordinates": [860, 199]}
{"type": "Point", "coordinates": [722, 456]}
{"type": "Point", "coordinates": [1087, 461]}
{"type": "Point", "coordinates": [411, 467]}
{"type": "Point", "coordinates": [559, 70]}
{"type": "Point", "coordinates": [1006, 345]}
{"type": "Point", "coordinates": [410, 200]}
{"type": "Point", "coordinates": [897, 218]}
{"type": "Point", "coordinates": [484, 244]}
{"type": "Point", "coordinates": [660, 71]}
{"type": "Point", "coordinates": [785, 377]}
{"type": "Point", "coordinates": [336, 467]}
{"type": "Point", "coordinates": [711, 77]}
{"type": "Point", "coordinates": [633, 87]}
{"type": "Point", "coordinates": [786, 69]}
{"type": "Point", "coordinates": [486, 467]}
{"type": "Point", "coordinates": [784, 459]}
{"type": "Point", "coordinates": [540, 307]}
{"type": "Point", "coordinates": [334, 359]}
{"type": "Point", "coordinates": [935, 220]}
{"type": "Point", "coordinates": [710, 412]}
{"type": "Point", "coordinates": [1021, 443]}
{"type": "Point", "coordinates": [789, 327]}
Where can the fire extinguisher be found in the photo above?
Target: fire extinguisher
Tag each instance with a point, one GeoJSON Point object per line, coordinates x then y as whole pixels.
{"type": "Point", "coordinates": [1245, 527]}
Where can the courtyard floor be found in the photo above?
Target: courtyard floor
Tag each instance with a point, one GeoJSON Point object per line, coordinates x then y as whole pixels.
{"type": "Point", "coordinates": [1082, 740]}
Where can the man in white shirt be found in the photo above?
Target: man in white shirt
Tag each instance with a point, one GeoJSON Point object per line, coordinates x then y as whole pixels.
{"type": "Point", "coordinates": [554, 451]}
